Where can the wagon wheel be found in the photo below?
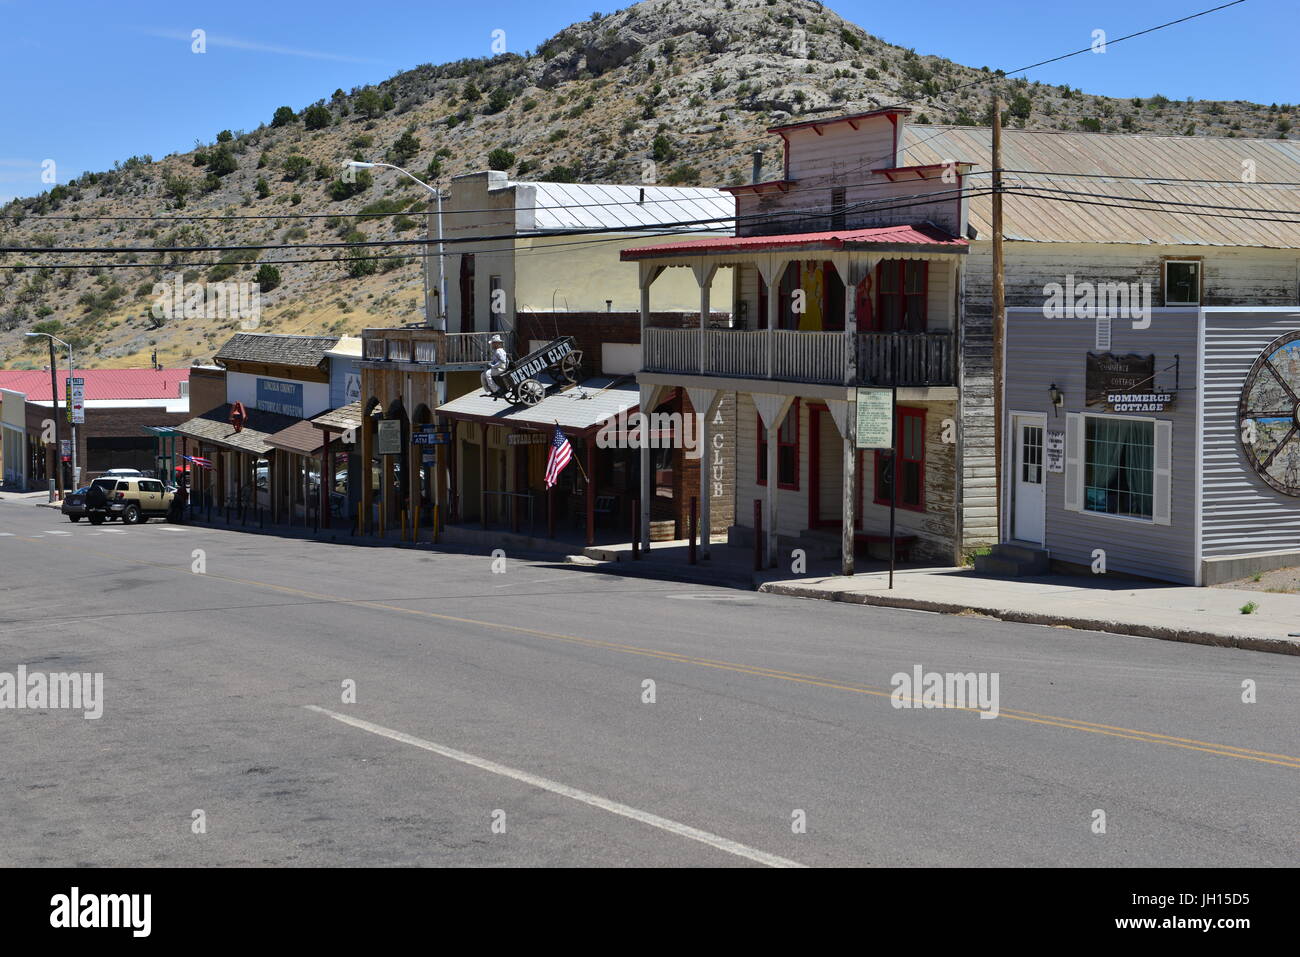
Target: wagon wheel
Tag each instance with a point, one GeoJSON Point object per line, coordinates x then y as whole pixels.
{"type": "Point", "coordinates": [571, 368]}
{"type": "Point", "coordinates": [531, 392]}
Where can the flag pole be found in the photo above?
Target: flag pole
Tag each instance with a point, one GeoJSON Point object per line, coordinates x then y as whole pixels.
{"type": "Point", "coordinates": [576, 458]}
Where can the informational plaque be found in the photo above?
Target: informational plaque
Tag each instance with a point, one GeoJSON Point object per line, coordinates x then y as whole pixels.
{"type": "Point", "coordinates": [389, 439]}
{"type": "Point", "coordinates": [1054, 451]}
{"type": "Point", "coordinates": [875, 422]}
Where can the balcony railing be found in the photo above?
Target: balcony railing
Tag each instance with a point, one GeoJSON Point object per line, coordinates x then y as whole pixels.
{"type": "Point", "coordinates": [432, 347]}
{"type": "Point", "coordinates": [921, 359]}
{"type": "Point", "coordinates": [918, 358]}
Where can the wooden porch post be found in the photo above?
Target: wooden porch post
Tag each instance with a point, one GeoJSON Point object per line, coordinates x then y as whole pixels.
{"type": "Point", "coordinates": [591, 490]}
{"type": "Point", "coordinates": [326, 477]}
{"type": "Point", "coordinates": [704, 273]}
{"type": "Point", "coordinates": [704, 402]}
{"type": "Point", "coordinates": [772, 410]}
{"type": "Point", "coordinates": [367, 451]}
{"type": "Point", "coordinates": [482, 473]}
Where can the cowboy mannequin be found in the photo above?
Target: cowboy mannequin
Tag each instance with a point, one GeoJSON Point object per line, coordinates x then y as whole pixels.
{"type": "Point", "coordinates": [498, 363]}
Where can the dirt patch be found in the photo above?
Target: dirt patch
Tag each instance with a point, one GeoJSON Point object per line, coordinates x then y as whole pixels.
{"type": "Point", "coordinates": [1279, 581]}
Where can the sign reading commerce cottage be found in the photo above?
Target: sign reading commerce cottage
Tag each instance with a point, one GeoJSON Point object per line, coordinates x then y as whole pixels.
{"type": "Point", "coordinates": [1124, 383]}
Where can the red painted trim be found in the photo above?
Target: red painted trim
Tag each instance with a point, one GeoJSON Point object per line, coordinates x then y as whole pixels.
{"type": "Point", "coordinates": [761, 458]}
{"type": "Point", "coordinates": [878, 312]}
{"type": "Point", "coordinates": [890, 111]}
{"type": "Point", "coordinates": [904, 412]}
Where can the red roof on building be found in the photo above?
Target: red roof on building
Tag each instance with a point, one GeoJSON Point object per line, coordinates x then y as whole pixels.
{"type": "Point", "coordinates": [100, 383]}
{"type": "Point", "coordinates": [912, 235]}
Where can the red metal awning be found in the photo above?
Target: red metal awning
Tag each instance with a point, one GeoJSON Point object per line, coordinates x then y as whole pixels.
{"type": "Point", "coordinates": [921, 234]}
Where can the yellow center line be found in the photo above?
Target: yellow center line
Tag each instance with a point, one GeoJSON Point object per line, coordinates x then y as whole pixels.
{"type": "Point", "coordinates": [1071, 724]}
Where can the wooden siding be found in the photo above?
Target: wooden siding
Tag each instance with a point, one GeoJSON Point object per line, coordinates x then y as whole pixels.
{"type": "Point", "coordinates": [1041, 352]}
{"type": "Point", "coordinates": [1241, 513]}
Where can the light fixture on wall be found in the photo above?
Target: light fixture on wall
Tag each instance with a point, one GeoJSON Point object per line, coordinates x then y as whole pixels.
{"type": "Point", "coordinates": [1057, 397]}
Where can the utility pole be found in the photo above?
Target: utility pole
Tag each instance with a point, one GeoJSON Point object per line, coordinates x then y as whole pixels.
{"type": "Point", "coordinates": [999, 307]}
{"type": "Point", "coordinates": [58, 433]}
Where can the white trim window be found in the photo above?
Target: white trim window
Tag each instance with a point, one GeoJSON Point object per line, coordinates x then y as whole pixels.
{"type": "Point", "coordinates": [1182, 282]}
{"type": "Point", "coordinates": [1119, 466]}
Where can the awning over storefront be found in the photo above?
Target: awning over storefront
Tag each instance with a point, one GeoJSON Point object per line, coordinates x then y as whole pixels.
{"type": "Point", "coordinates": [214, 428]}
{"type": "Point", "coordinates": [577, 411]}
{"type": "Point", "coordinates": [878, 238]}
{"type": "Point", "coordinates": [342, 419]}
{"type": "Point", "coordinates": [301, 438]}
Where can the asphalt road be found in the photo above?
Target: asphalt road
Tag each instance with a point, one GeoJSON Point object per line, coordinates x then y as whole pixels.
{"type": "Point", "coordinates": [499, 719]}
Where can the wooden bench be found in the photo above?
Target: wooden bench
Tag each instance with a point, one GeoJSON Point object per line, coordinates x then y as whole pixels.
{"type": "Point", "coordinates": [878, 546]}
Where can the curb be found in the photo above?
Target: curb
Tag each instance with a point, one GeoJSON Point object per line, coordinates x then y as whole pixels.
{"type": "Point", "coordinates": [661, 571]}
{"type": "Point", "coordinates": [1276, 646]}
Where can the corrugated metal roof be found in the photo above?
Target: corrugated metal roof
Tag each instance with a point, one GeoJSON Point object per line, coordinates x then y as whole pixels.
{"type": "Point", "coordinates": [106, 384]}
{"type": "Point", "coordinates": [579, 409]}
{"type": "Point", "coordinates": [1155, 159]}
{"type": "Point", "coordinates": [912, 235]}
{"type": "Point", "coordinates": [348, 347]}
{"type": "Point", "coordinates": [546, 206]}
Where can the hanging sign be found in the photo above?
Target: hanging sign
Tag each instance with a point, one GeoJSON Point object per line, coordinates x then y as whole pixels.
{"type": "Point", "coordinates": [1054, 451]}
{"type": "Point", "coordinates": [875, 421]}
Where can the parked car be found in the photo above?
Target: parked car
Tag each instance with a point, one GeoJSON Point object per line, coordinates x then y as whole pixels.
{"type": "Point", "coordinates": [74, 504]}
{"type": "Point", "coordinates": [134, 500]}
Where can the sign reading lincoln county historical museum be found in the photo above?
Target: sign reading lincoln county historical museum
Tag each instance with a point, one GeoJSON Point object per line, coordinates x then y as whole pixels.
{"type": "Point", "coordinates": [875, 423]}
{"type": "Point", "coordinates": [283, 398]}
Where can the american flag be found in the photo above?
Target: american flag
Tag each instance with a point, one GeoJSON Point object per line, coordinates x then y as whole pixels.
{"type": "Point", "coordinates": [198, 460]}
{"type": "Point", "coordinates": [561, 453]}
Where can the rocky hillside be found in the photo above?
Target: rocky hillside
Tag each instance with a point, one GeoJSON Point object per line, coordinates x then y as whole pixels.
{"type": "Point", "coordinates": [687, 84]}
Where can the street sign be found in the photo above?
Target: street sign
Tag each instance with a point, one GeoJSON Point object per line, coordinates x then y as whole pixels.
{"type": "Point", "coordinates": [875, 422]}
{"type": "Point", "coordinates": [389, 439]}
{"type": "Point", "coordinates": [76, 396]}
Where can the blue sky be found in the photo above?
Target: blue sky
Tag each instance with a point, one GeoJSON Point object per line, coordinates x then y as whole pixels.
{"type": "Point", "coordinates": [89, 82]}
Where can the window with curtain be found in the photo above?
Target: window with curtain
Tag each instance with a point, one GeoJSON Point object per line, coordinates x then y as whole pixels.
{"type": "Point", "coordinates": [901, 296]}
{"type": "Point", "coordinates": [1119, 466]}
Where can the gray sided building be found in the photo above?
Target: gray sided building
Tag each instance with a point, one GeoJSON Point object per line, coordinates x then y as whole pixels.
{"type": "Point", "coordinates": [1163, 447]}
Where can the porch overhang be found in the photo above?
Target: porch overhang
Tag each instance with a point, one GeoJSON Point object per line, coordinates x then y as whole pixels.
{"type": "Point", "coordinates": [913, 238]}
{"type": "Point", "coordinates": [805, 390]}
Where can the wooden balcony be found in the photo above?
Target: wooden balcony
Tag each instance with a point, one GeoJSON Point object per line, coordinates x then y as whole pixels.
{"type": "Point", "coordinates": [429, 347]}
{"type": "Point", "coordinates": [920, 359]}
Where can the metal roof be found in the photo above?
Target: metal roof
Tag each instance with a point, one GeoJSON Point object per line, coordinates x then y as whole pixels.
{"type": "Point", "coordinates": [547, 206]}
{"type": "Point", "coordinates": [1156, 161]}
{"type": "Point", "coordinates": [101, 384]}
{"type": "Point", "coordinates": [911, 235]}
{"type": "Point", "coordinates": [575, 410]}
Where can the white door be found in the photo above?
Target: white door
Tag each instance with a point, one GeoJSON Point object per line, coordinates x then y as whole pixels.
{"type": "Point", "coordinates": [1028, 490]}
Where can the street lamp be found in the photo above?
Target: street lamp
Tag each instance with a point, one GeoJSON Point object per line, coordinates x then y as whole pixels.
{"type": "Point", "coordinates": [442, 274]}
{"type": "Point", "coordinates": [54, 388]}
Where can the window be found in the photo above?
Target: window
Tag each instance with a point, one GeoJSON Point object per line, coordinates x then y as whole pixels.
{"type": "Point", "coordinates": [467, 292]}
{"type": "Point", "coordinates": [901, 296]}
{"type": "Point", "coordinates": [1119, 466]}
{"type": "Point", "coordinates": [787, 450]}
{"type": "Point", "coordinates": [910, 442]}
{"type": "Point", "coordinates": [1031, 454]}
{"type": "Point", "coordinates": [837, 208]}
{"type": "Point", "coordinates": [1182, 282]}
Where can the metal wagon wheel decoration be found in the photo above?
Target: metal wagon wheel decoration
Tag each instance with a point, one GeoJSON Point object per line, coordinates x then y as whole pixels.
{"type": "Point", "coordinates": [1269, 414]}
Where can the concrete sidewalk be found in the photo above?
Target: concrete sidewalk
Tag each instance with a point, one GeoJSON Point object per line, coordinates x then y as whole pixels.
{"type": "Point", "coordinates": [1206, 616]}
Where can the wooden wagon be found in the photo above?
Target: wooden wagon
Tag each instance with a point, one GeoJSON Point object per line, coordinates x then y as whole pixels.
{"type": "Point", "coordinates": [518, 383]}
